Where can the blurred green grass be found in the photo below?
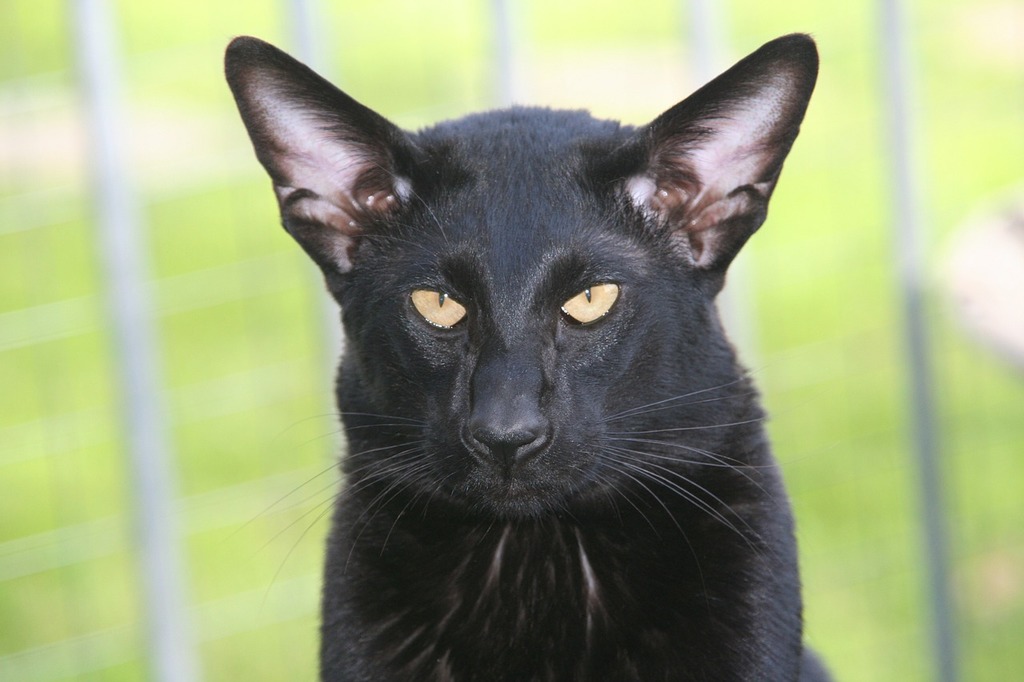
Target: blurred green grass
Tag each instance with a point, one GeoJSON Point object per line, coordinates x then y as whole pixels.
{"type": "Point", "coordinates": [243, 356]}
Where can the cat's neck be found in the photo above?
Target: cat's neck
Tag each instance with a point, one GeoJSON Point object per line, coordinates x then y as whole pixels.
{"type": "Point", "coordinates": [573, 585]}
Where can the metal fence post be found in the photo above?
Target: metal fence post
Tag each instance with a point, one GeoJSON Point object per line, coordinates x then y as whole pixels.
{"type": "Point", "coordinates": [306, 17]}
{"type": "Point", "coordinates": [122, 255]}
{"type": "Point", "coordinates": [504, 55]}
{"type": "Point", "coordinates": [908, 241]}
{"type": "Point", "coordinates": [705, 34]}
{"type": "Point", "coordinates": [735, 303]}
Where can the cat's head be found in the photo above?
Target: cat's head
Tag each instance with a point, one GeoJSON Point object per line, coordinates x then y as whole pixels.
{"type": "Point", "coordinates": [517, 284]}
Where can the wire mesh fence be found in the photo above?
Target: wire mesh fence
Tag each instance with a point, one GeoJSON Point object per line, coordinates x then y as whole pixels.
{"type": "Point", "coordinates": [236, 381]}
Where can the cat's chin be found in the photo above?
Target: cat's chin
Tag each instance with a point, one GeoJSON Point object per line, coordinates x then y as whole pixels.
{"type": "Point", "coordinates": [514, 498]}
{"type": "Point", "coordinates": [526, 496]}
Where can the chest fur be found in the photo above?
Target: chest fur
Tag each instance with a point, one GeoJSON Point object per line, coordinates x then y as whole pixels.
{"type": "Point", "coordinates": [546, 600]}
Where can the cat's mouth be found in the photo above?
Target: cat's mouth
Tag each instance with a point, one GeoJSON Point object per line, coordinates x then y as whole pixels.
{"type": "Point", "coordinates": [529, 487]}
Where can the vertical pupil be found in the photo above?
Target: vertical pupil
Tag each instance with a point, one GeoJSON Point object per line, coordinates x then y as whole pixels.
{"type": "Point", "coordinates": [586, 292]}
{"type": "Point", "coordinates": [441, 296]}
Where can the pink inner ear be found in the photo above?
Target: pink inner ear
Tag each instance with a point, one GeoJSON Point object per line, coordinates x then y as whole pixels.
{"type": "Point", "coordinates": [322, 184]}
{"type": "Point", "coordinates": [328, 171]}
{"type": "Point", "coordinates": [316, 209]}
{"type": "Point", "coordinates": [304, 153]}
{"type": "Point", "coordinates": [657, 200]}
{"type": "Point", "coordinates": [739, 149]}
{"type": "Point", "coordinates": [711, 170]}
{"type": "Point", "coordinates": [734, 147]}
{"type": "Point", "coordinates": [308, 157]}
{"type": "Point", "coordinates": [734, 155]}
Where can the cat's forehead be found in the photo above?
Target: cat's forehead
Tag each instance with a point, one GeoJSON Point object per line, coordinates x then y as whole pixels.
{"type": "Point", "coordinates": [519, 189]}
{"type": "Point", "coordinates": [523, 155]}
{"type": "Point", "coordinates": [502, 134]}
{"type": "Point", "coordinates": [522, 170]}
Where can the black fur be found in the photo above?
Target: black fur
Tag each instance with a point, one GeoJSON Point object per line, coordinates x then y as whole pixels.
{"type": "Point", "coordinates": [525, 497]}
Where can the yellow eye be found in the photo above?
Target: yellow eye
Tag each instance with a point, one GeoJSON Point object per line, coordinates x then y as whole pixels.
{"type": "Point", "coordinates": [438, 308]}
{"type": "Point", "coordinates": [591, 304]}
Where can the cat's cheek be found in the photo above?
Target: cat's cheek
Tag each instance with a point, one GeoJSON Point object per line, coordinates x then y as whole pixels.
{"type": "Point", "coordinates": [595, 356]}
{"type": "Point", "coordinates": [433, 349]}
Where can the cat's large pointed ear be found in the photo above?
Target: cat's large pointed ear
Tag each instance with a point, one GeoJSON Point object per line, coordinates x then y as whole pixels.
{"type": "Point", "coordinates": [335, 164]}
{"type": "Point", "coordinates": [712, 161]}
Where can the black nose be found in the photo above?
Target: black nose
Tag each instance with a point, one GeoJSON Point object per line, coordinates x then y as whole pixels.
{"type": "Point", "coordinates": [506, 424]}
{"type": "Point", "coordinates": [508, 439]}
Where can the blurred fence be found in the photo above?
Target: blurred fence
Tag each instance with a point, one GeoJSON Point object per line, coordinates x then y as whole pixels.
{"type": "Point", "coordinates": [166, 432]}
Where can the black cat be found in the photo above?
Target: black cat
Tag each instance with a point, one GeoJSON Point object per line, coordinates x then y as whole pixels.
{"type": "Point", "coordinates": [556, 468]}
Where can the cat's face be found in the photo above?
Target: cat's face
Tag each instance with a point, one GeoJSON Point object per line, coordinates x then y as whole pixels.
{"type": "Point", "coordinates": [469, 308]}
{"type": "Point", "coordinates": [516, 286]}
